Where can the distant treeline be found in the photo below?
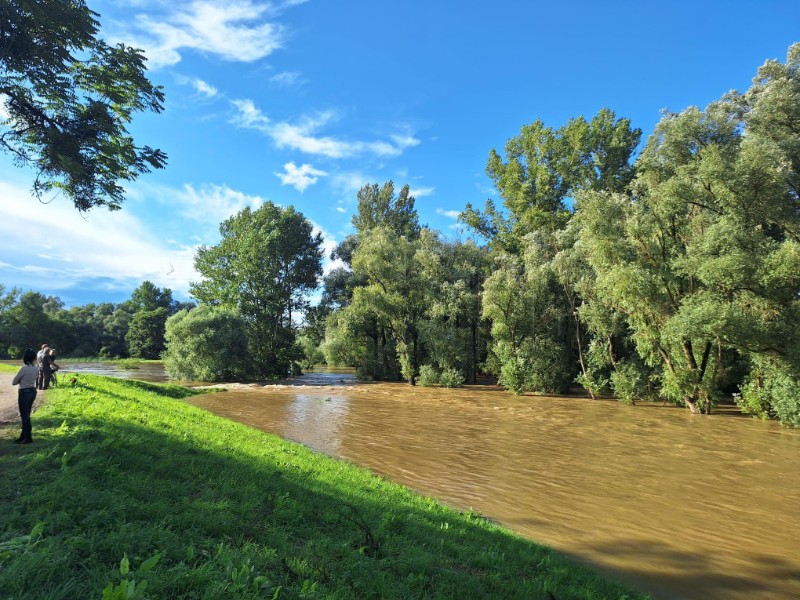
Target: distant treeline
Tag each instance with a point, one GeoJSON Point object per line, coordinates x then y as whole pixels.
{"type": "Point", "coordinates": [134, 328]}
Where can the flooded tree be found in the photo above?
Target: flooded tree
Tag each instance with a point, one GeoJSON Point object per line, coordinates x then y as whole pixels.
{"type": "Point", "coordinates": [703, 255]}
{"type": "Point", "coordinates": [264, 266]}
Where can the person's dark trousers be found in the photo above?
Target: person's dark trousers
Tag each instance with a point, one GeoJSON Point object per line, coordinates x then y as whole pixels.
{"type": "Point", "coordinates": [26, 398]}
{"type": "Point", "coordinates": [40, 379]}
{"type": "Point", "coordinates": [46, 375]}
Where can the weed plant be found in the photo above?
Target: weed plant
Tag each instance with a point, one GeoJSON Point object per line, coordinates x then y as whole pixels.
{"type": "Point", "coordinates": [130, 492]}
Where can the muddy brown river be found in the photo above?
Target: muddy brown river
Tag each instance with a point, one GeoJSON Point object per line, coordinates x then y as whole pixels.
{"type": "Point", "coordinates": [681, 506]}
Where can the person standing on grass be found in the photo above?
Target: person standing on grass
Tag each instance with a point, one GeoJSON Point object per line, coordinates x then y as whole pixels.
{"type": "Point", "coordinates": [46, 368]}
{"type": "Point", "coordinates": [40, 362]}
{"type": "Point", "coordinates": [26, 379]}
{"type": "Point", "coordinates": [53, 367]}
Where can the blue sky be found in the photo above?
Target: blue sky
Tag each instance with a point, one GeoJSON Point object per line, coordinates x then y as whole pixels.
{"type": "Point", "coordinates": [303, 102]}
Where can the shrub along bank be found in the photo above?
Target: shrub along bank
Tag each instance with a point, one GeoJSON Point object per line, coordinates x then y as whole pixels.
{"type": "Point", "coordinates": [129, 492]}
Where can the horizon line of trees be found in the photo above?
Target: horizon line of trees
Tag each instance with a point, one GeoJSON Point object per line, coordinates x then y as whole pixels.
{"type": "Point", "coordinates": [130, 329]}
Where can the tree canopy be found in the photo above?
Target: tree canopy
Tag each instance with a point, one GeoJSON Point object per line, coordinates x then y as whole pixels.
{"type": "Point", "coordinates": [69, 98]}
{"type": "Point", "coordinates": [264, 266]}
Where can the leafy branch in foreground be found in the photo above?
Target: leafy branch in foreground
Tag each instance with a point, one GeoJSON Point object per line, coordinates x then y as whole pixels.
{"type": "Point", "coordinates": [67, 98]}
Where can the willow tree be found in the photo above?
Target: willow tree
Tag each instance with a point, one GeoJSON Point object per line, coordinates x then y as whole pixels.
{"type": "Point", "coordinates": [542, 170]}
{"type": "Point", "coordinates": [703, 257]}
{"type": "Point", "coordinates": [394, 292]}
{"type": "Point", "coordinates": [453, 274]}
{"type": "Point", "coordinates": [537, 178]}
{"type": "Point", "coordinates": [267, 262]}
{"type": "Point", "coordinates": [375, 329]}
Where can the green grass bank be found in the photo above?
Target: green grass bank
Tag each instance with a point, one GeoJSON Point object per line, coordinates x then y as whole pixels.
{"type": "Point", "coordinates": [129, 492]}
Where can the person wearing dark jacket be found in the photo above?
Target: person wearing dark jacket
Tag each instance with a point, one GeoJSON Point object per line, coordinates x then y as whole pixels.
{"type": "Point", "coordinates": [47, 368]}
{"type": "Point", "coordinates": [26, 379]}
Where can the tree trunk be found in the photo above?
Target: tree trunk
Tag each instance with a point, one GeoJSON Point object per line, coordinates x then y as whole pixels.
{"type": "Point", "coordinates": [692, 404]}
{"type": "Point", "coordinates": [580, 349]}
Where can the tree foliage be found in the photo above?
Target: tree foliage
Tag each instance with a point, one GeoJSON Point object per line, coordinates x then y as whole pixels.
{"type": "Point", "coordinates": [70, 97]}
{"type": "Point", "coordinates": [206, 344]}
{"type": "Point", "coordinates": [544, 168]}
{"type": "Point", "coordinates": [267, 262]}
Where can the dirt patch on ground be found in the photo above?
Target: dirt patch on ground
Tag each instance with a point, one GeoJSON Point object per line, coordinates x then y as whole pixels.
{"type": "Point", "coordinates": [9, 410]}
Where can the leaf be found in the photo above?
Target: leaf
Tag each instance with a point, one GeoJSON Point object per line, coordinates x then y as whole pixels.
{"type": "Point", "coordinates": [124, 565]}
{"type": "Point", "coordinates": [151, 562]}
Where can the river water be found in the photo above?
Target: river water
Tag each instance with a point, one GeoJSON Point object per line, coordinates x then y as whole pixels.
{"type": "Point", "coordinates": [682, 506]}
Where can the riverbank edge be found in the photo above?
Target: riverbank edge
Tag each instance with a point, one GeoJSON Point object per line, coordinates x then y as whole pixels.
{"type": "Point", "coordinates": [132, 486]}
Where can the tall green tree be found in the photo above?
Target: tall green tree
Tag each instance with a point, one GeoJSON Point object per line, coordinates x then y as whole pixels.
{"type": "Point", "coordinates": [703, 258]}
{"type": "Point", "coordinates": [151, 307]}
{"type": "Point", "coordinates": [7, 300]}
{"type": "Point", "coordinates": [394, 292]}
{"type": "Point", "coordinates": [544, 168]}
{"type": "Point", "coordinates": [69, 97]}
{"type": "Point", "coordinates": [542, 171]}
{"type": "Point", "coordinates": [30, 325]}
{"type": "Point", "coordinates": [267, 262]}
{"type": "Point", "coordinates": [375, 329]}
{"type": "Point", "coordinates": [148, 296]}
{"type": "Point", "coordinates": [453, 274]}
{"type": "Point", "coordinates": [115, 325]}
{"type": "Point", "coordinates": [380, 207]}
{"type": "Point", "coordinates": [145, 337]}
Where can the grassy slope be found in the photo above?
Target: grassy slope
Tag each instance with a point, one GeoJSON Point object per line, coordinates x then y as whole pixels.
{"type": "Point", "coordinates": [125, 469]}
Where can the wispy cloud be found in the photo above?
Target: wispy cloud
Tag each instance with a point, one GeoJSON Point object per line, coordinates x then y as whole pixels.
{"type": "Point", "coordinates": [304, 135]}
{"type": "Point", "coordinates": [202, 87]}
{"type": "Point", "coordinates": [424, 191]}
{"type": "Point", "coordinates": [287, 79]}
{"type": "Point", "coordinates": [111, 250]}
{"type": "Point", "coordinates": [348, 183]}
{"type": "Point", "coordinates": [206, 89]}
{"type": "Point", "coordinates": [450, 214]}
{"type": "Point", "coordinates": [299, 177]}
{"type": "Point", "coordinates": [209, 203]}
{"type": "Point", "coordinates": [235, 30]}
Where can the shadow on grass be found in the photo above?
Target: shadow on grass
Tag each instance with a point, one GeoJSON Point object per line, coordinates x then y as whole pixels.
{"type": "Point", "coordinates": [234, 512]}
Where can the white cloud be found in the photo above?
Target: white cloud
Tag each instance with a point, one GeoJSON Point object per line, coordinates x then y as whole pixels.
{"type": "Point", "coordinates": [206, 89]}
{"type": "Point", "coordinates": [249, 117]}
{"type": "Point", "coordinates": [420, 192]}
{"type": "Point", "coordinates": [329, 243]}
{"type": "Point", "coordinates": [450, 214]}
{"type": "Point", "coordinates": [4, 114]}
{"type": "Point", "coordinates": [206, 203]}
{"type": "Point", "coordinates": [348, 183]}
{"type": "Point", "coordinates": [113, 248]}
{"type": "Point", "coordinates": [341, 209]}
{"type": "Point", "coordinates": [300, 177]}
{"type": "Point", "coordinates": [203, 88]}
{"type": "Point", "coordinates": [303, 135]}
{"type": "Point", "coordinates": [235, 30]}
{"type": "Point", "coordinates": [300, 137]}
